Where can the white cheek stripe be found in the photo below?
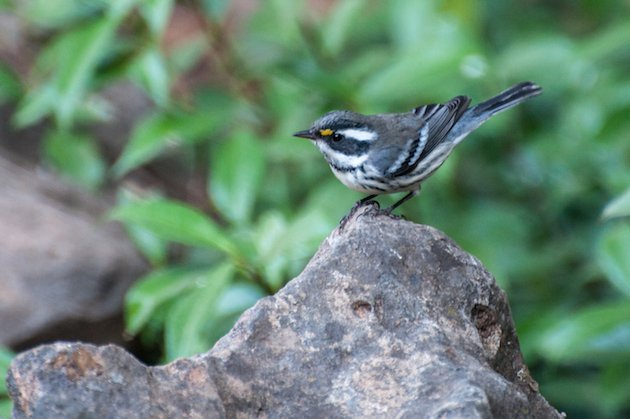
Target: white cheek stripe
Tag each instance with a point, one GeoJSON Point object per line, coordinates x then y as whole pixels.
{"type": "Point", "coordinates": [348, 161]}
{"type": "Point", "coordinates": [358, 134]}
{"type": "Point", "coordinates": [340, 159]}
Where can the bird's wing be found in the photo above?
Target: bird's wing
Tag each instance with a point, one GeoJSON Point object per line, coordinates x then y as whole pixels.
{"type": "Point", "coordinates": [398, 158]}
{"type": "Point", "coordinates": [440, 119]}
{"type": "Point", "coordinates": [436, 122]}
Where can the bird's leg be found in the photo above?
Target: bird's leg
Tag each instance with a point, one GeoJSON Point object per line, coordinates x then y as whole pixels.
{"type": "Point", "coordinates": [401, 201]}
{"type": "Point", "coordinates": [364, 200]}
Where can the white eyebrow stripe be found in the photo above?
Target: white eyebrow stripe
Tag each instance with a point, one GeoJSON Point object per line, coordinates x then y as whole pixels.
{"type": "Point", "coordinates": [358, 134]}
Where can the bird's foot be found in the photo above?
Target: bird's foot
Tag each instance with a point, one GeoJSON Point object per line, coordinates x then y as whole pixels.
{"type": "Point", "coordinates": [389, 211]}
{"type": "Point", "coordinates": [375, 206]}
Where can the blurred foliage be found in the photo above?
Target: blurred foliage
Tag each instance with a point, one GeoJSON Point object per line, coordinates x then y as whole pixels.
{"type": "Point", "coordinates": [5, 403]}
{"type": "Point", "coordinates": [524, 193]}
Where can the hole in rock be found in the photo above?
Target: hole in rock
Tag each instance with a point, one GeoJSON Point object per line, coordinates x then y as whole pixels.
{"type": "Point", "coordinates": [361, 308]}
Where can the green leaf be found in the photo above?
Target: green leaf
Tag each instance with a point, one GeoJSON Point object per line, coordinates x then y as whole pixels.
{"type": "Point", "coordinates": [35, 105]}
{"type": "Point", "coordinates": [613, 39]}
{"type": "Point", "coordinates": [76, 157]}
{"type": "Point", "coordinates": [82, 50]}
{"type": "Point", "coordinates": [68, 65]}
{"type": "Point", "coordinates": [154, 248]}
{"type": "Point", "coordinates": [216, 8]}
{"type": "Point", "coordinates": [185, 328]}
{"type": "Point", "coordinates": [284, 19]}
{"type": "Point", "coordinates": [149, 137]}
{"type": "Point", "coordinates": [415, 22]}
{"type": "Point", "coordinates": [504, 228]}
{"type": "Point", "coordinates": [51, 14]}
{"type": "Point", "coordinates": [177, 222]}
{"type": "Point", "coordinates": [337, 27]}
{"type": "Point", "coordinates": [6, 407]}
{"type": "Point", "coordinates": [186, 56]}
{"type": "Point", "coordinates": [613, 255]}
{"type": "Point", "coordinates": [614, 385]}
{"type": "Point", "coordinates": [238, 298]}
{"type": "Point", "coordinates": [154, 290]}
{"type": "Point", "coordinates": [284, 247]}
{"type": "Point", "coordinates": [149, 244]}
{"type": "Point", "coordinates": [618, 207]}
{"type": "Point", "coordinates": [413, 72]}
{"type": "Point", "coordinates": [236, 173]}
{"type": "Point", "coordinates": [233, 301]}
{"type": "Point", "coordinates": [532, 57]}
{"type": "Point", "coordinates": [160, 131]}
{"type": "Point", "coordinates": [6, 356]}
{"type": "Point", "coordinates": [573, 390]}
{"type": "Point", "coordinates": [94, 110]}
{"type": "Point", "coordinates": [118, 9]}
{"type": "Point", "coordinates": [10, 87]}
{"type": "Point", "coordinates": [590, 334]}
{"type": "Point", "coordinates": [156, 13]}
{"type": "Point", "coordinates": [150, 70]}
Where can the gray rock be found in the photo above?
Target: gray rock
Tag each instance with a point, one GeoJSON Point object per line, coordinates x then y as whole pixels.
{"type": "Point", "coordinates": [60, 261]}
{"type": "Point", "coordinates": [389, 319]}
{"type": "Point", "coordinates": [67, 380]}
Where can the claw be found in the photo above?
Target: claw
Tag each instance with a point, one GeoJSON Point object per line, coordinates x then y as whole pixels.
{"type": "Point", "coordinates": [361, 203]}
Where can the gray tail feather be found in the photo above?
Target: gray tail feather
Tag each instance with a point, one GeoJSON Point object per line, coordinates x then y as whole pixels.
{"type": "Point", "coordinates": [506, 99]}
{"type": "Point", "coordinates": [477, 115]}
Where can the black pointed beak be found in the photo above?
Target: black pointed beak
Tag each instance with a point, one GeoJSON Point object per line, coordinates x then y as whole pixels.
{"type": "Point", "coordinates": [305, 134]}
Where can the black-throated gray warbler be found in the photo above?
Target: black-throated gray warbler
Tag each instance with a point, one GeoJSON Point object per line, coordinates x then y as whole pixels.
{"type": "Point", "coordinates": [387, 153]}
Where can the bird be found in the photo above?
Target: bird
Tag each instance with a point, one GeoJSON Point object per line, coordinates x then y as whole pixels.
{"type": "Point", "coordinates": [395, 152]}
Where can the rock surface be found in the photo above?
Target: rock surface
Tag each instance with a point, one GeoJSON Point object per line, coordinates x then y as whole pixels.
{"type": "Point", "coordinates": [389, 319]}
{"type": "Point", "coordinates": [66, 380]}
{"type": "Point", "coordinates": [60, 262]}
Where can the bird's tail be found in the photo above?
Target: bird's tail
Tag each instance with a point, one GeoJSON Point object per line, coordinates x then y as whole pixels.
{"type": "Point", "coordinates": [506, 99]}
{"type": "Point", "coordinates": [477, 115]}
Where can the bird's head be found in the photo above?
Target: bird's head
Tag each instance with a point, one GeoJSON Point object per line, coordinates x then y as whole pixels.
{"type": "Point", "coordinates": [343, 137]}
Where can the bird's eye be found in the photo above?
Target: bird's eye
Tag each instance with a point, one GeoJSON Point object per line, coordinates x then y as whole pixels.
{"type": "Point", "coordinates": [337, 137]}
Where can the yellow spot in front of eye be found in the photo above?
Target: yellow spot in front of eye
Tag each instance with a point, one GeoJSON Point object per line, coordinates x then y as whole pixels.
{"type": "Point", "coordinates": [326, 132]}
